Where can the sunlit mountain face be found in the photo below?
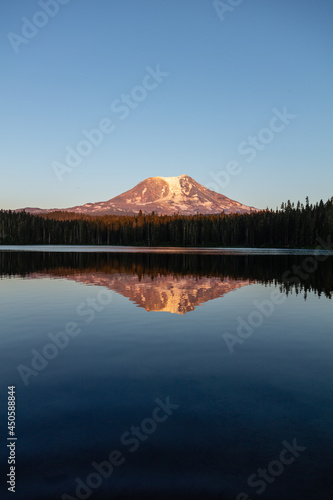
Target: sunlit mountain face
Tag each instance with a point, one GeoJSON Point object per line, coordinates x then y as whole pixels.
{"type": "Point", "coordinates": [174, 283]}
{"type": "Point", "coordinates": [163, 195]}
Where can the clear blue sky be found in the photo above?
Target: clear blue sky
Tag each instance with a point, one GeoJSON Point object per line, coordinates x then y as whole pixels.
{"type": "Point", "coordinates": [225, 78]}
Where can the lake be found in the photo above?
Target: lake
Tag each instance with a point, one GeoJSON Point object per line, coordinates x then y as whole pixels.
{"type": "Point", "coordinates": [168, 373]}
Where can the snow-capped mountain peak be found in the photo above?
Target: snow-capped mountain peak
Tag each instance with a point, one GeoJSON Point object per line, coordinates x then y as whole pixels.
{"type": "Point", "coordinates": [162, 195]}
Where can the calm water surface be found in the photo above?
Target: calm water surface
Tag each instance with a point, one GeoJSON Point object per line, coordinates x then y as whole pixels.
{"type": "Point", "coordinates": [202, 369]}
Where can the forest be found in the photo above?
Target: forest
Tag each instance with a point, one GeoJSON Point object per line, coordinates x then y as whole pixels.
{"type": "Point", "coordinates": [291, 226]}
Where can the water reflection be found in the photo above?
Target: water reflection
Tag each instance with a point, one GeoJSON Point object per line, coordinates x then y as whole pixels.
{"type": "Point", "coordinates": [235, 411]}
{"type": "Point", "coordinates": [174, 283]}
{"type": "Point", "coordinates": [172, 294]}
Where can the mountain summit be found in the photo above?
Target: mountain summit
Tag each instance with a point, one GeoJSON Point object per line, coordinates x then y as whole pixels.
{"type": "Point", "coordinates": [163, 195]}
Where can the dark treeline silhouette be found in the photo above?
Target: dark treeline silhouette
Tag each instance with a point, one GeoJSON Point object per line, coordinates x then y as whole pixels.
{"type": "Point", "coordinates": [289, 272]}
{"type": "Point", "coordinates": [291, 226]}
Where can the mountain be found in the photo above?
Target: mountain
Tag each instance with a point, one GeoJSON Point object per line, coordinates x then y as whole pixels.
{"type": "Point", "coordinates": [163, 195]}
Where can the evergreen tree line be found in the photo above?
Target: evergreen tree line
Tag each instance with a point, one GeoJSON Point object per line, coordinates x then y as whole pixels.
{"type": "Point", "coordinates": [290, 226]}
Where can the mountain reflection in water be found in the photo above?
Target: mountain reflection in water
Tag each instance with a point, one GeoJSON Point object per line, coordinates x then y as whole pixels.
{"type": "Point", "coordinates": [163, 293]}
{"type": "Point", "coordinates": [174, 283]}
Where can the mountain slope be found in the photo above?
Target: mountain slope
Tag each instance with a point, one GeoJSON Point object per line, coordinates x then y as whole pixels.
{"type": "Point", "coordinates": [163, 195]}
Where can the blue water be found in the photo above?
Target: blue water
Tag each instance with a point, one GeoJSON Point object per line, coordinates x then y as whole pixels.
{"type": "Point", "coordinates": [151, 331]}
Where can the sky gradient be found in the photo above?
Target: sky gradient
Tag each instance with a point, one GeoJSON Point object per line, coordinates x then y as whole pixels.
{"type": "Point", "coordinates": [176, 88]}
